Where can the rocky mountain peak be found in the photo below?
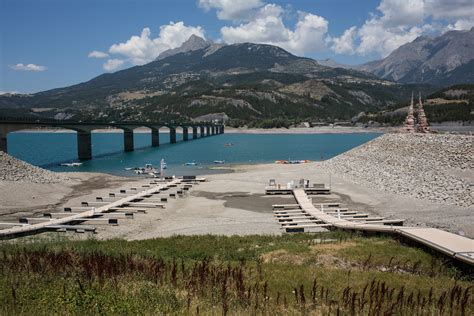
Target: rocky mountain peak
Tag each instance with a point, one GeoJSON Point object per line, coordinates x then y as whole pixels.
{"type": "Point", "coordinates": [444, 60]}
{"type": "Point", "coordinates": [193, 43]}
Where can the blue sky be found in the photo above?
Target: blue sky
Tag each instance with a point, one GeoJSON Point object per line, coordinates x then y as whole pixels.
{"type": "Point", "coordinates": [46, 44]}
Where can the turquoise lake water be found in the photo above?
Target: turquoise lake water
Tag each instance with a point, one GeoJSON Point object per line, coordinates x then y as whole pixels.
{"type": "Point", "coordinates": [48, 150]}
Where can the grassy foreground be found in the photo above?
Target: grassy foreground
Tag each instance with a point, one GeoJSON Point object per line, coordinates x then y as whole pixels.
{"type": "Point", "coordinates": [331, 273]}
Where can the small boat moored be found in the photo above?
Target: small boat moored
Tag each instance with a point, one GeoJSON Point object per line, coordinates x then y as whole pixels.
{"type": "Point", "coordinates": [147, 169]}
{"type": "Point", "coordinates": [291, 162]}
{"type": "Point", "coordinates": [71, 164]}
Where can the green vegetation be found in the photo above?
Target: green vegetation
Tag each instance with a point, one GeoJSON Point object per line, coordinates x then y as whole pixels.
{"type": "Point", "coordinates": [456, 92]}
{"type": "Point", "coordinates": [331, 273]}
{"type": "Point", "coordinates": [450, 112]}
{"type": "Point", "coordinates": [265, 123]}
{"type": "Point", "coordinates": [384, 118]}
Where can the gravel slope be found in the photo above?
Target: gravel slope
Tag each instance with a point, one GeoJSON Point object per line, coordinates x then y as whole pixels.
{"type": "Point", "coordinates": [12, 169]}
{"type": "Point", "coordinates": [435, 167]}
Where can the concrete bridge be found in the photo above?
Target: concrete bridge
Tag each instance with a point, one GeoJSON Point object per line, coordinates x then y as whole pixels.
{"type": "Point", "coordinates": [84, 129]}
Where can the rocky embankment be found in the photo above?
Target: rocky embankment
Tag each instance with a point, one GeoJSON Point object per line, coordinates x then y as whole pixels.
{"type": "Point", "coordinates": [12, 169]}
{"type": "Point", "coordinates": [435, 167]}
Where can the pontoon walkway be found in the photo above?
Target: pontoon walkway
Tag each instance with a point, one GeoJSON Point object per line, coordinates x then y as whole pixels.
{"type": "Point", "coordinates": [88, 214]}
{"type": "Point", "coordinates": [455, 246]}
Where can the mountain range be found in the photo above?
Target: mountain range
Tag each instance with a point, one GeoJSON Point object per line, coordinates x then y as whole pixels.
{"type": "Point", "coordinates": [441, 61]}
{"type": "Point", "coordinates": [252, 82]}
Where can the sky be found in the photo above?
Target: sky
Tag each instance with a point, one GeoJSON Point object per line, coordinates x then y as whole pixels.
{"type": "Point", "coordinates": [46, 44]}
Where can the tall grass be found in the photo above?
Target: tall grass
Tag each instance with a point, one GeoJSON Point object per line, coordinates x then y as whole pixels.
{"type": "Point", "coordinates": [47, 278]}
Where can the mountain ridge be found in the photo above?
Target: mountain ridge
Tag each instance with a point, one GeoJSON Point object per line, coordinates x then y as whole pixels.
{"type": "Point", "coordinates": [244, 81]}
{"type": "Point", "coordinates": [444, 60]}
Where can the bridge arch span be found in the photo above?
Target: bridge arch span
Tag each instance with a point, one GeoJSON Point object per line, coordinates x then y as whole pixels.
{"type": "Point", "coordinates": [83, 135]}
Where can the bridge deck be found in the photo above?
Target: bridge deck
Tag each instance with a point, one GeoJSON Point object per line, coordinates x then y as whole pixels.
{"type": "Point", "coordinates": [453, 245]}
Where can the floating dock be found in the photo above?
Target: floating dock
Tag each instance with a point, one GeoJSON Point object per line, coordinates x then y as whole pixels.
{"type": "Point", "coordinates": [104, 210]}
{"type": "Point", "coordinates": [307, 215]}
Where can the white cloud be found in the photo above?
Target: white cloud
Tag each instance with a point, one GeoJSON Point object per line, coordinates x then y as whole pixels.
{"type": "Point", "coordinates": [231, 9]}
{"type": "Point", "coordinates": [453, 10]}
{"type": "Point", "coordinates": [267, 27]}
{"type": "Point", "coordinates": [112, 64]}
{"type": "Point", "coordinates": [401, 21]}
{"type": "Point", "coordinates": [376, 38]}
{"type": "Point", "coordinates": [464, 24]}
{"type": "Point", "coordinates": [401, 12]}
{"type": "Point", "coordinates": [143, 49]}
{"type": "Point", "coordinates": [345, 43]}
{"type": "Point", "coordinates": [28, 67]}
{"type": "Point", "coordinates": [97, 54]}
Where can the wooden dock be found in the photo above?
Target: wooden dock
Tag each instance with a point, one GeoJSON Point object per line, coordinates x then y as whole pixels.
{"type": "Point", "coordinates": [275, 190]}
{"type": "Point", "coordinates": [455, 246]}
{"type": "Point", "coordinates": [105, 210]}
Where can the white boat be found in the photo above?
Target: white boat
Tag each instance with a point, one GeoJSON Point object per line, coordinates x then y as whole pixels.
{"type": "Point", "coordinates": [71, 164]}
{"type": "Point", "coordinates": [219, 161]}
{"type": "Point", "coordinates": [193, 163]}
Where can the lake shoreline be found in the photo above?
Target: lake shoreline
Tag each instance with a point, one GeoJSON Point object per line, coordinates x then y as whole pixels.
{"type": "Point", "coordinates": [233, 148]}
{"type": "Point", "coordinates": [235, 203]}
{"type": "Point", "coordinates": [227, 204]}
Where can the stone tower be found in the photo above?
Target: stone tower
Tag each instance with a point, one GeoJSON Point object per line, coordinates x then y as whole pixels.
{"type": "Point", "coordinates": [423, 126]}
{"type": "Point", "coordinates": [410, 119]}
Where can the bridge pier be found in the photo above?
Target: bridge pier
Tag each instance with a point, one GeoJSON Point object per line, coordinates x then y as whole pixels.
{"type": "Point", "coordinates": [84, 145]}
{"type": "Point", "coordinates": [84, 129]}
{"type": "Point", "coordinates": [128, 139]}
{"type": "Point", "coordinates": [185, 133]}
{"type": "Point", "coordinates": [155, 137]}
{"type": "Point", "coordinates": [172, 135]}
{"type": "Point", "coordinates": [3, 143]}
